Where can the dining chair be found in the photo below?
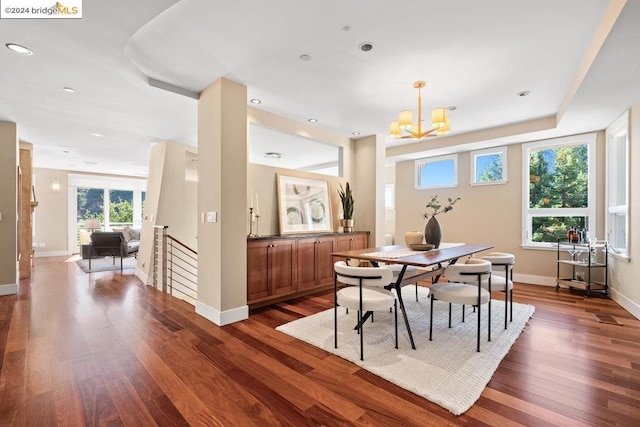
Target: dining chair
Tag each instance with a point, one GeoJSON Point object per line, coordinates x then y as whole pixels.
{"type": "Point", "coordinates": [364, 292]}
{"type": "Point", "coordinates": [502, 261]}
{"type": "Point", "coordinates": [460, 289]}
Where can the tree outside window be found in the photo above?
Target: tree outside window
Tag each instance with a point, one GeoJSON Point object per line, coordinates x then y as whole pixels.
{"type": "Point", "coordinates": [560, 188]}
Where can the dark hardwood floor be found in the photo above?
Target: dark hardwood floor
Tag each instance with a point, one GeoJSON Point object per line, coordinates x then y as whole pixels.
{"type": "Point", "coordinates": [103, 349]}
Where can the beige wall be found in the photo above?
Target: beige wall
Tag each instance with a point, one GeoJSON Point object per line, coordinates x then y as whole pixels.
{"type": "Point", "coordinates": [51, 215]}
{"type": "Point", "coordinates": [172, 192]}
{"type": "Point", "coordinates": [8, 207]}
{"type": "Point", "coordinates": [262, 179]}
{"type": "Point", "coordinates": [625, 275]}
{"type": "Point", "coordinates": [222, 188]}
{"type": "Point", "coordinates": [486, 213]}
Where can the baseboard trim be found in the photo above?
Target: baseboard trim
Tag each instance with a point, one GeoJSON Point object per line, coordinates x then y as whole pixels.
{"type": "Point", "coordinates": [625, 302]}
{"type": "Point", "coordinates": [222, 318]}
{"type": "Point", "coordinates": [52, 253]}
{"type": "Point", "coordinates": [140, 274]}
{"type": "Point", "coordinates": [9, 289]}
{"type": "Point", "coordinates": [534, 280]}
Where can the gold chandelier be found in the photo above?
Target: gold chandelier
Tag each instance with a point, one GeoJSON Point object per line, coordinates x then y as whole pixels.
{"type": "Point", "coordinates": [405, 128]}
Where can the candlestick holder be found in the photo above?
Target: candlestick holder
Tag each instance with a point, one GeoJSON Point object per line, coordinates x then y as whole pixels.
{"type": "Point", "coordinates": [251, 235]}
{"type": "Point", "coordinates": [257, 225]}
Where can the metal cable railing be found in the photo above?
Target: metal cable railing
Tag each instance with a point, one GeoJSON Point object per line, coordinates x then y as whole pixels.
{"type": "Point", "coordinates": [175, 266]}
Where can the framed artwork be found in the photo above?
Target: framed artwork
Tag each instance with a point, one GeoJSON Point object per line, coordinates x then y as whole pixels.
{"type": "Point", "coordinates": [303, 205]}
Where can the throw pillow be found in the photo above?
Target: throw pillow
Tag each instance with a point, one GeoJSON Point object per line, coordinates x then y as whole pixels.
{"type": "Point", "coordinates": [134, 233]}
{"type": "Point", "coordinates": [126, 233]}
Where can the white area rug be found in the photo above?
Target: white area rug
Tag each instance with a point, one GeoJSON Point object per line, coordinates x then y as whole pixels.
{"type": "Point", "coordinates": [106, 264]}
{"type": "Point", "coordinates": [447, 371]}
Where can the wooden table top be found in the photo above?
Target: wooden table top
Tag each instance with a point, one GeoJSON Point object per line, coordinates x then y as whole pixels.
{"type": "Point", "coordinates": [416, 258]}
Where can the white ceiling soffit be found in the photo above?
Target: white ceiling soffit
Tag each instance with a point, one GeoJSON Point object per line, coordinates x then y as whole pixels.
{"type": "Point", "coordinates": [473, 55]}
{"type": "Point", "coordinates": [477, 57]}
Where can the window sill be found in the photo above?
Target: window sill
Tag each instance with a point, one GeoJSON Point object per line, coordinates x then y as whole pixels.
{"type": "Point", "coordinates": [474, 184]}
{"type": "Point", "coordinates": [542, 247]}
{"type": "Point", "coordinates": [620, 257]}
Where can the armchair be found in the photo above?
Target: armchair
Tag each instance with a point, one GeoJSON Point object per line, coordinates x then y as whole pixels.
{"type": "Point", "coordinates": [109, 243]}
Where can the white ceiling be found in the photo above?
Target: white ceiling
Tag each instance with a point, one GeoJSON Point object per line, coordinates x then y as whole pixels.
{"type": "Point", "coordinates": [474, 55]}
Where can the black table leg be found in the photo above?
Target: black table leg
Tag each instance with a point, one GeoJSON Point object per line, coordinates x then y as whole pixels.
{"type": "Point", "coordinates": [404, 312]}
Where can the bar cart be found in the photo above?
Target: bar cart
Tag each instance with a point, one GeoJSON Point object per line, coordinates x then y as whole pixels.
{"type": "Point", "coordinates": [586, 260]}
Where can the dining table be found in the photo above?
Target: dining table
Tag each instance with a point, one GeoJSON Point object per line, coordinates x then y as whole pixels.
{"type": "Point", "coordinates": [430, 264]}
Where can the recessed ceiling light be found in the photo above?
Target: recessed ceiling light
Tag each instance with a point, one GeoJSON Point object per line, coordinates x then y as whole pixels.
{"type": "Point", "coordinates": [255, 101]}
{"type": "Point", "coordinates": [19, 49]}
{"type": "Point", "coordinates": [272, 155]}
{"type": "Point", "coordinates": [313, 120]}
{"type": "Point", "coordinates": [68, 89]}
{"type": "Point", "coordinates": [97, 135]}
{"type": "Point", "coordinates": [355, 133]}
{"type": "Point", "coordinates": [366, 46]}
{"type": "Point", "coordinates": [305, 57]}
{"type": "Point", "coordinates": [523, 93]}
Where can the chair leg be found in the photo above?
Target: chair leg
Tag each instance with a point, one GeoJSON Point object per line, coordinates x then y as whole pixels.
{"type": "Point", "coordinates": [361, 335]}
{"type": "Point", "coordinates": [479, 311]}
{"type": "Point", "coordinates": [449, 315]}
{"type": "Point", "coordinates": [506, 297]}
{"type": "Point", "coordinates": [511, 306]}
{"type": "Point", "coordinates": [463, 312]}
{"type": "Point", "coordinates": [395, 318]}
{"type": "Point", "coordinates": [431, 318]}
{"type": "Point", "coordinates": [416, 291]}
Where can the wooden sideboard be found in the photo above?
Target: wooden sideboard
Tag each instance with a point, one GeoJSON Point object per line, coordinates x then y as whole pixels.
{"type": "Point", "coordinates": [285, 267]}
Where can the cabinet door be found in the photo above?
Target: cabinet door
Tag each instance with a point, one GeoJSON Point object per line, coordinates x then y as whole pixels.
{"type": "Point", "coordinates": [307, 263]}
{"type": "Point", "coordinates": [257, 270]}
{"type": "Point", "coordinates": [324, 260]}
{"type": "Point", "coordinates": [360, 241]}
{"type": "Point", "coordinates": [343, 243]}
{"type": "Point", "coordinates": [283, 266]}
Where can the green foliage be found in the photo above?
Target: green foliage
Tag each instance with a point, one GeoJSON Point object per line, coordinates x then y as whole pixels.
{"type": "Point", "coordinates": [558, 179]}
{"type": "Point", "coordinates": [434, 207]}
{"type": "Point", "coordinates": [121, 211]}
{"type": "Point", "coordinates": [90, 204]}
{"type": "Point", "coordinates": [493, 171]}
{"type": "Point", "coordinates": [347, 201]}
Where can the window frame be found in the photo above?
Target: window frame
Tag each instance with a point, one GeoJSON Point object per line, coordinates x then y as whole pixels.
{"type": "Point", "coordinates": [618, 128]}
{"type": "Point", "coordinates": [529, 213]}
{"type": "Point", "coordinates": [473, 155]}
{"type": "Point", "coordinates": [420, 163]}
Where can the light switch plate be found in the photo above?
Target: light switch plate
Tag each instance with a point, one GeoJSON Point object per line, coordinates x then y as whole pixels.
{"type": "Point", "coordinates": [212, 216]}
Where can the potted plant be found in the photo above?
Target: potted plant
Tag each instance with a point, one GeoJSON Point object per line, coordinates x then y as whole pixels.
{"type": "Point", "coordinates": [347, 208]}
{"type": "Point", "coordinates": [432, 231]}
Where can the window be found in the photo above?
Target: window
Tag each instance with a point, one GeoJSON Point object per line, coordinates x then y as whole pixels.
{"type": "Point", "coordinates": [437, 172]}
{"type": "Point", "coordinates": [558, 189]}
{"type": "Point", "coordinates": [489, 166]}
{"type": "Point", "coordinates": [389, 196]}
{"type": "Point", "coordinates": [617, 219]}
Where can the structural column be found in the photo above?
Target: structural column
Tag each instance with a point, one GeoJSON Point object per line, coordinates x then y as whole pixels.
{"type": "Point", "coordinates": [368, 184]}
{"type": "Point", "coordinates": [222, 202]}
{"type": "Point", "coordinates": [8, 207]}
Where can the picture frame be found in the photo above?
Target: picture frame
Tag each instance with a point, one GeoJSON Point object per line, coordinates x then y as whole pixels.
{"type": "Point", "coordinates": [303, 205]}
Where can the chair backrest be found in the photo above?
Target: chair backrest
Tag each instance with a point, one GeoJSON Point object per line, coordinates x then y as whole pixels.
{"type": "Point", "coordinates": [472, 265]}
{"type": "Point", "coordinates": [107, 243]}
{"type": "Point", "coordinates": [378, 276]}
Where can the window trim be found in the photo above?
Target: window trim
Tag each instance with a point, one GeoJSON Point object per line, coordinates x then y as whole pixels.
{"type": "Point", "coordinates": [621, 124]}
{"type": "Point", "coordinates": [424, 161]}
{"type": "Point", "coordinates": [590, 211]}
{"type": "Point", "coordinates": [473, 164]}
